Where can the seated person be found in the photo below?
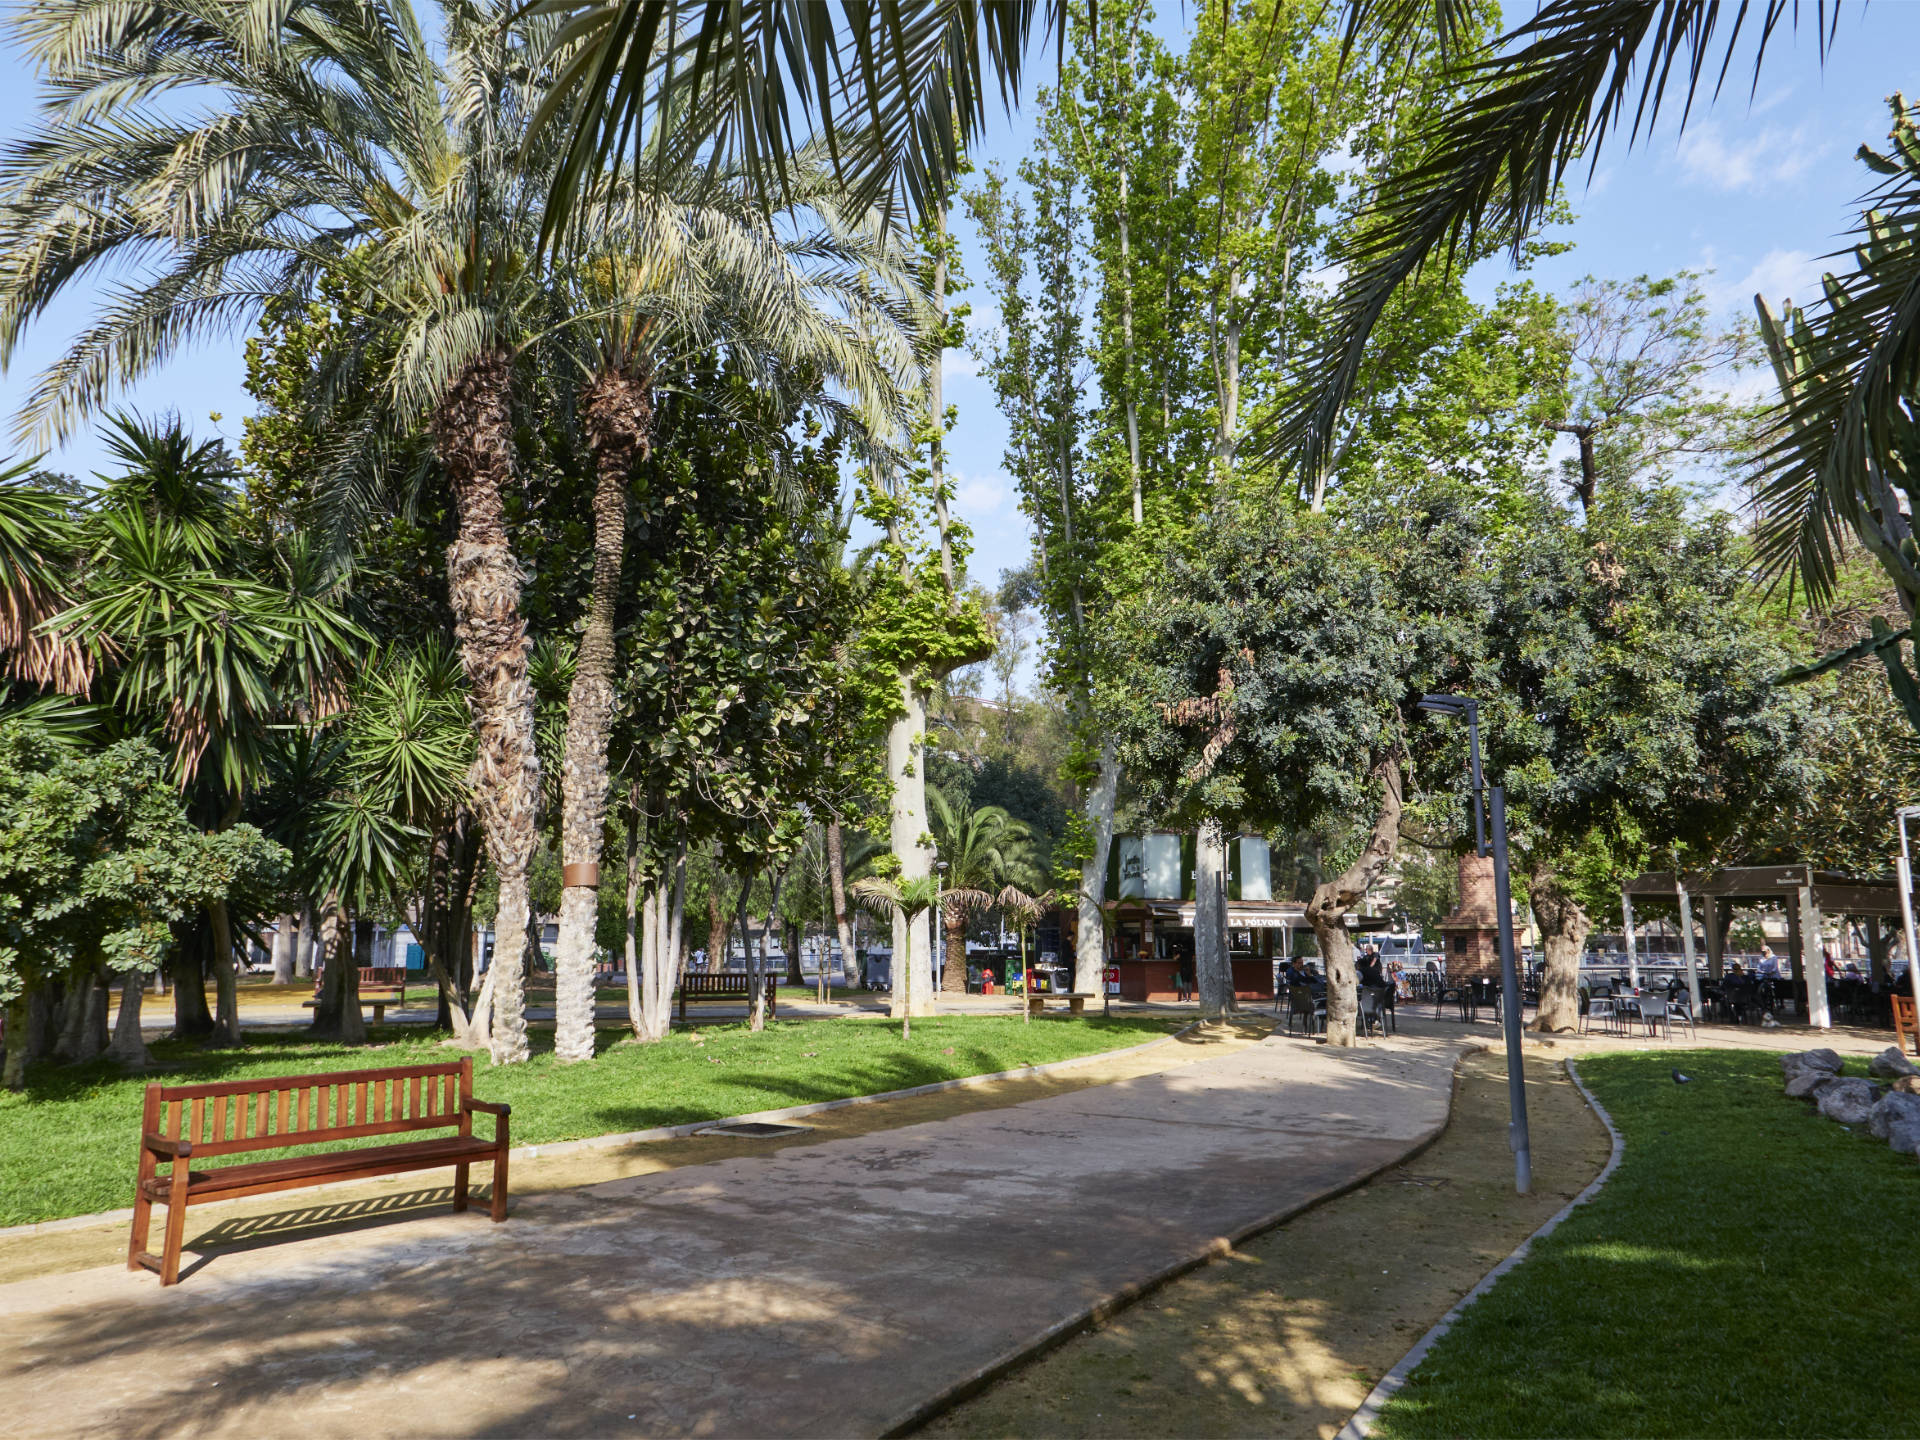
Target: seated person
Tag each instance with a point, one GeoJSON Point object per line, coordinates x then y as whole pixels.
{"type": "Point", "coordinates": [1369, 968]}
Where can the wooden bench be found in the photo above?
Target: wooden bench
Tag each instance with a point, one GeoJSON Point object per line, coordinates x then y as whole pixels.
{"type": "Point", "coordinates": [1076, 1001]}
{"type": "Point", "coordinates": [380, 986]}
{"type": "Point", "coordinates": [185, 1124]}
{"type": "Point", "coordinates": [1903, 1024]}
{"type": "Point", "coordinates": [724, 985]}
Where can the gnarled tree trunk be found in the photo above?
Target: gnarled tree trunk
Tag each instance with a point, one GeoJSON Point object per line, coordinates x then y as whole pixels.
{"type": "Point", "coordinates": [1212, 967]}
{"type": "Point", "coordinates": [336, 1012]}
{"type": "Point", "coordinates": [473, 438]}
{"type": "Point", "coordinates": [191, 1018]}
{"type": "Point", "coordinates": [618, 410]}
{"type": "Point", "coordinates": [661, 948]}
{"type": "Point", "coordinates": [129, 1047]}
{"type": "Point", "coordinates": [1327, 911]}
{"type": "Point", "coordinates": [1564, 924]}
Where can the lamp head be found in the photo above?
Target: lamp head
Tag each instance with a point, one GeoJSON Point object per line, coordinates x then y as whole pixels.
{"type": "Point", "coordinates": [1445, 704]}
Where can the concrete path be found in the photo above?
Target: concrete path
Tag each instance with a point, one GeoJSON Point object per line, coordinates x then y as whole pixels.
{"type": "Point", "coordinates": [829, 1289]}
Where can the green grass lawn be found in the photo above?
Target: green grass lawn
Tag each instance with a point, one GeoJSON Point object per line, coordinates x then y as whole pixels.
{"type": "Point", "coordinates": [1748, 1270]}
{"type": "Point", "coordinates": [68, 1142]}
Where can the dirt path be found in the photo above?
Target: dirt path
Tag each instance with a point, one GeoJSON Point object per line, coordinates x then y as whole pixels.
{"type": "Point", "coordinates": [1286, 1335]}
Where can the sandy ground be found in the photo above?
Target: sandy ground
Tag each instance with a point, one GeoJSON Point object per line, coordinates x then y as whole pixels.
{"type": "Point", "coordinates": [1287, 1334]}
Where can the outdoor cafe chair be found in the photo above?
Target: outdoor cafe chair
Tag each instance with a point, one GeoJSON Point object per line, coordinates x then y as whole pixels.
{"type": "Point", "coordinates": [1306, 1007]}
{"type": "Point", "coordinates": [1372, 1013]}
{"type": "Point", "coordinates": [1600, 1011]}
{"type": "Point", "coordinates": [1680, 1007]}
{"type": "Point", "coordinates": [1652, 1013]}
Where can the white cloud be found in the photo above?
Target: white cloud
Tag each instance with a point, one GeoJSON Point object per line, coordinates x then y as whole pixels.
{"type": "Point", "coordinates": [1747, 161]}
{"type": "Point", "coordinates": [975, 496]}
{"type": "Point", "coordinates": [1779, 275]}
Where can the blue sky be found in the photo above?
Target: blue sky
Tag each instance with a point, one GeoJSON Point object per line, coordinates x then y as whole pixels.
{"type": "Point", "coordinates": [1755, 193]}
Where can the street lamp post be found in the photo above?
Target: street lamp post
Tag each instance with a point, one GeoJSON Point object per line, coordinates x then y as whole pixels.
{"type": "Point", "coordinates": [1904, 864]}
{"type": "Point", "coordinates": [1517, 1135]}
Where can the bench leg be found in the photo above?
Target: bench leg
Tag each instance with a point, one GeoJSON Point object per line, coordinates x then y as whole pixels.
{"type": "Point", "coordinates": [379, 1013]}
{"type": "Point", "coordinates": [460, 1181]}
{"type": "Point", "coordinates": [1078, 1006]}
{"type": "Point", "coordinates": [176, 1233]}
{"type": "Point", "coordinates": [142, 1211]}
{"type": "Point", "coordinates": [500, 1187]}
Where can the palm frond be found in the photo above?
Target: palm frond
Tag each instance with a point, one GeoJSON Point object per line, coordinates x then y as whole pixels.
{"type": "Point", "coordinates": [1843, 450]}
{"type": "Point", "coordinates": [1489, 166]}
{"type": "Point", "coordinates": [893, 89]}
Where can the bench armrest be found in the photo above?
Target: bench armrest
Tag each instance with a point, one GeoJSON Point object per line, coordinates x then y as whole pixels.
{"type": "Point", "coordinates": [161, 1145]}
{"type": "Point", "coordinates": [488, 1107]}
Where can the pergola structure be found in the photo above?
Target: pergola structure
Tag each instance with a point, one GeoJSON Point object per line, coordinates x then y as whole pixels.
{"type": "Point", "coordinates": [1804, 893]}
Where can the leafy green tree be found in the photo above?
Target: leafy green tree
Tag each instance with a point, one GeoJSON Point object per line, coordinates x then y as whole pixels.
{"type": "Point", "coordinates": [1630, 708]}
{"type": "Point", "coordinates": [731, 714]}
{"type": "Point", "coordinates": [100, 869]}
{"type": "Point", "coordinates": [1267, 678]}
{"type": "Point", "coordinates": [1486, 163]}
{"type": "Point", "coordinates": [1643, 354]}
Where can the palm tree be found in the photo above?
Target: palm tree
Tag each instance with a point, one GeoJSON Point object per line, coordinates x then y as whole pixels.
{"type": "Point", "coordinates": [664, 281]}
{"type": "Point", "coordinates": [332, 144]}
{"type": "Point", "coordinates": [895, 899]}
{"type": "Point", "coordinates": [983, 850]}
{"type": "Point", "coordinates": [1024, 910]}
{"type": "Point", "coordinates": [911, 75]}
{"type": "Point", "coordinates": [1845, 452]}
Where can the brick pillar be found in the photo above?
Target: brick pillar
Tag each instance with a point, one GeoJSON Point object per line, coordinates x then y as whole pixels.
{"type": "Point", "coordinates": [1471, 934]}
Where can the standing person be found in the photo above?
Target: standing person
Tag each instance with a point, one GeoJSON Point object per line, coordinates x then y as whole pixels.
{"type": "Point", "coordinates": [1182, 982]}
{"type": "Point", "coordinates": [1769, 964]}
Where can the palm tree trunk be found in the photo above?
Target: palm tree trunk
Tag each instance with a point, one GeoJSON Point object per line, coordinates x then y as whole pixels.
{"type": "Point", "coordinates": [953, 977]}
{"type": "Point", "coordinates": [618, 409]}
{"type": "Point", "coordinates": [837, 880]}
{"type": "Point", "coordinates": [473, 437]}
{"type": "Point", "coordinates": [1327, 911]}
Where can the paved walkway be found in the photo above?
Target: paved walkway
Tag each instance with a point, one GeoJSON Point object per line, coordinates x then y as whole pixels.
{"type": "Point", "coordinates": [830, 1289]}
